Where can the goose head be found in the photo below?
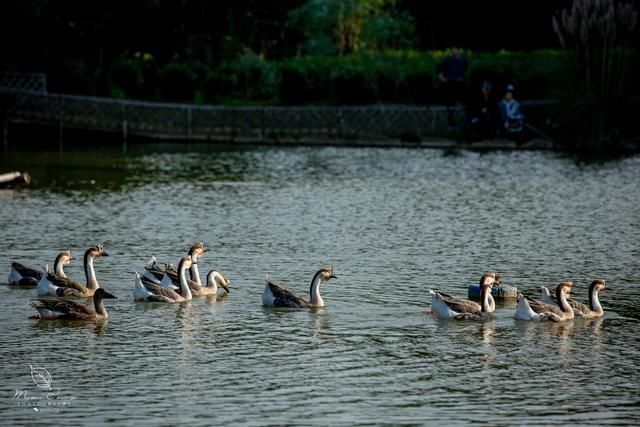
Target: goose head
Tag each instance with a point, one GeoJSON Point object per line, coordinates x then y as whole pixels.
{"type": "Point", "coordinates": [563, 288]}
{"type": "Point", "coordinates": [599, 285]}
{"type": "Point", "coordinates": [65, 257]}
{"type": "Point", "coordinates": [215, 278]}
{"type": "Point", "coordinates": [326, 274]}
{"type": "Point", "coordinates": [487, 279]}
{"type": "Point", "coordinates": [185, 263]}
{"type": "Point", "coordinates": [96, 251]}
{"type": "Point", "coordinates": [197, 250]}
{"type": "Point", "coordinates": [498, 279]}
{"type": "Point", "coordinates": [102, 293]}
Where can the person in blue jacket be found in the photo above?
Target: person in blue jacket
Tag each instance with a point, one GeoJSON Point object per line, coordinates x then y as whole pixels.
{"type": "Point", "coordinates": [512, 119]}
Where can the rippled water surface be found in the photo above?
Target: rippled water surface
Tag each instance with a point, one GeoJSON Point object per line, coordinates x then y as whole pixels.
{"type": "Point", "coordinates": [392, 222]}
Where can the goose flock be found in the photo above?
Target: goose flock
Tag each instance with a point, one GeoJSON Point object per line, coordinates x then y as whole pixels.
{"type": "Point", "coordinates": [162, 283]}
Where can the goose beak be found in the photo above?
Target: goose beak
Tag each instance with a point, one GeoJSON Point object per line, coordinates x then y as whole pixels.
{"type": "Point", "coordinates": [104, 254]}
{"type": "Point", "coordinates": [110, 295]}
{"type": "Point", "coordinates": [333, 277]}
{"type": "Point", "coordinates": [225, 287]}
{"type": "Point", "coordinates": [71, 258]}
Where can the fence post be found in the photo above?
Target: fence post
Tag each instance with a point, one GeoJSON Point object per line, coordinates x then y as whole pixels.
{"type": "Point", "coordinates": [5, 131]}
{"type": "Point", "coordinates": [60, 131]}
{"type": "Point", "coordinates": [188, 123]}
{"type": "Point", "coordinates": [123, 113]}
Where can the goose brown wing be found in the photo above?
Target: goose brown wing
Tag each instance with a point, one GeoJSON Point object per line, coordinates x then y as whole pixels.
{"type": "Point", "coordinates": [68, 308]}
{"type": "Point", "coordinates": [64, 282]}
{"type": "Point", "coordinates": [26, 271]}
{"type": "Point", "coordinates": [460, 305]}
{"type": "Point", "coordinates": [194, 286]}
{"type": "Point", "coordinates": [578, 306]}
{"type": "Point", "coordinates": [162, 291]}
{"type": "Point", "coordinates": [284, 297]}
{"type": "Point", "coordinates": [540, 307]}
{"type": "Point", "coordinates": [69, 292]}
{"type": "Point", "coordinates": [155, 271]}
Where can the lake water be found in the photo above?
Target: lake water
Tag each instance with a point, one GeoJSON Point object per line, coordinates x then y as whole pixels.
{"type": "Point", "coordinates": [393, 223]}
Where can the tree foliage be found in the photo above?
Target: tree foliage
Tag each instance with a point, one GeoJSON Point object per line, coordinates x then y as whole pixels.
{"type": "Point", "coordinates": [350, 26]}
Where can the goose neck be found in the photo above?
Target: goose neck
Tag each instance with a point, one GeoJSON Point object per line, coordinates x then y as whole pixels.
{"type": "Point", "coordinates": [195, 274]}
{"type": "Point", "coordinates": [89, 271]}
{"type": "Point", "coordinates": [314, 291]}
{"type": "Point", "coordinates": [563, 303]}
{"type": "Point", "coordinates": [185, 291]}
{"type": "Point", "coordinates": [486, 300]}
{"type": "Point", "coordinates": [212, 283]}
{"type": "Point", "coordinates": [59, 267]}
{"type": "Point", "coordinates": [594, 301]}
{"type": "Point", "coordinates": [98, 304]}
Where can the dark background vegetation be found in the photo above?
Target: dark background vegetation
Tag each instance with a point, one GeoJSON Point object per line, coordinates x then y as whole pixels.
{"type": "Point", "coordinates": [203, 51]}
{"type": "Point", "coordinates": [314, 52]}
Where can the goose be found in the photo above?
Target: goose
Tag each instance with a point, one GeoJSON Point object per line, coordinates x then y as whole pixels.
{"type": "Point", "coordinates": [214, 279]}
{"type": "Point", "coordinates": [531, 309]}
{"type": "Point", "coordinates": [277, 296]}
{"type": "Point", "coordinates": [153, 292]}
{"type": "Point", "coordinates": [594, 309]}
{"type": "Point", "coordinates": [22, 275]}
{"type": "Point", "coordinates": [52, 284]}
{"type": "Point", "coordinates": [170, 279]}
{"type": "Point", "coordinates": [50, 309]}
{"type": "Point", "coordinates": [445, 306]}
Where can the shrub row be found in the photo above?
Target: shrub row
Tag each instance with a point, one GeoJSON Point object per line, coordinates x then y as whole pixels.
{"type": "Point", "coordinates": [406, 77]}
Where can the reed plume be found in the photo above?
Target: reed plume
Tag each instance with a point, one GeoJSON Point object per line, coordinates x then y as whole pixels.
{"type": "Point", "coordinates": [599, 34]}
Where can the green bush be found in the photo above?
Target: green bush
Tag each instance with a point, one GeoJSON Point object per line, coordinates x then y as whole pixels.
{"type": "Point", "coordinates": [133, 76]}
{"type": "Point", "coordinates": [177, 82]}
{"type": "Point", "coordinates": [248, 78]}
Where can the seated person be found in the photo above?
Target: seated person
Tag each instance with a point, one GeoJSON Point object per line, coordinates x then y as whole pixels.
{"type": "Point", "coordinates": [512, 119]}
{"type": "Point", "coordinates": [483, 113]}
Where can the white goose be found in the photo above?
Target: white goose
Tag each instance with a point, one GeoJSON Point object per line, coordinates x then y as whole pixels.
{"type": "Point", "coordinates": [445, 306]}
{"type": "Point", "coordinates": [531, 309]}
{"type": "Point", "coordinates": [22, 275]}
{"type": "Point", "coordinates": [52, 284]}
{"type": "Point", "coordinates": [594, 309]}
{"type": "Point", "coordinates": [277, 296]}
{"type": "Point", "coordinates": [152, 292]}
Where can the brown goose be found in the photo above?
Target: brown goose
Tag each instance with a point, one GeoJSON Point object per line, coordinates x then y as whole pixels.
{"type": "Point", "coordinates": [531, 309]}
{"type": "Point", "coordinates": [171, 278]}
{"type": "Point", "coordinates": [52, 284]}
{"type": "Point", "coordinates": [214, 279]}
{"type": "Point", "coordinates": [445, 306]}
{"type": "Point", "coordinates": [153, 292]}
{"type": "Point", "coordinates": [594, 309]}
{"type": "Point", "coordinates": [50, 309]}
{"type": "Point", "coordinates": [22, 275]}
{"type": "Point", "coordinates": [277, 296]}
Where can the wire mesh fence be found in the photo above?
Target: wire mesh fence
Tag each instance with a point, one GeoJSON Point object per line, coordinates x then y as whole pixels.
{"type": "Point", "coordinates": [24, 98]}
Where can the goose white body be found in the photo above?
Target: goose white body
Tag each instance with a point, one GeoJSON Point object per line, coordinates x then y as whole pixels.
{"type": "Point", "coordinates": [445, 306]}
{"type": "Point", "coordinates": [525, 312]}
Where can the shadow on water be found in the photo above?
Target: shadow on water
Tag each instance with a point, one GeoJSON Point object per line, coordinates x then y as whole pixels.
{"type": "Point", "coordinates": [60, 326]}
